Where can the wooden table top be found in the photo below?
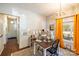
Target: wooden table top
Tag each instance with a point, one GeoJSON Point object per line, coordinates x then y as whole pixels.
{"type": "Point", "coordinates": [44, 44]}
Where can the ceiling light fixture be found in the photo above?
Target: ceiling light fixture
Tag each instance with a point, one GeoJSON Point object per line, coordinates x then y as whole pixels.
{"type": "Point", "coordinates": [11, 22]}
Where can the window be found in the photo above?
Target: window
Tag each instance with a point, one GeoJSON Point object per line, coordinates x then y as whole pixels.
{"type": "Point", "coordinates": [68, 28]}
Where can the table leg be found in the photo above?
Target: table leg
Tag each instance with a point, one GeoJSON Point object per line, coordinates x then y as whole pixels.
{"type": "Point", "coordinates": [34, 48]}
{"type": "Point", "coordinates": [44, 52]}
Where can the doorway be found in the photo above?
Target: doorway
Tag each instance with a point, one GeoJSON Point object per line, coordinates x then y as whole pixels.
{"type": "Point", "coordinates": [12, 31]}
{"type": "Point", "coordinates": [11, 27]}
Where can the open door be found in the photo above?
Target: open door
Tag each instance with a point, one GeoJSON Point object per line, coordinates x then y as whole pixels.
{"type": "Point", "coordinates": [4, 30]}
{"type": "Point", "coordinates": [1, 34]}
{"type": "Point", "coordinates": [12, 31]}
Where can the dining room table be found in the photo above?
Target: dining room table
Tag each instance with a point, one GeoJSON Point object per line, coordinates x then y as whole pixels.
{"type": "Point", "coordinates": [44, 45]}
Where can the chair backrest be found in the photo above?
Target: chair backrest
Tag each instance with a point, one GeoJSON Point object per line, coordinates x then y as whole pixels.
{"type": "Point", "coordinates": [55, 44]}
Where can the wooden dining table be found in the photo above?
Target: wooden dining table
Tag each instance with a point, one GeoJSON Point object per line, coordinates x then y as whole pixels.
{"type": "Point", "coordinates": [43, 45]}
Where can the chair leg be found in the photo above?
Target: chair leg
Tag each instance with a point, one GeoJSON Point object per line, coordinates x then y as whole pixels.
{"type": "Point", "coordinates": [56, 54]}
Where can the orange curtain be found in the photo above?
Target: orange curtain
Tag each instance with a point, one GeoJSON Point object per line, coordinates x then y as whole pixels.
{"type": "Point", "coordinates": [76, 34]}
{"type": "Point", "coordinates": [59, 31]}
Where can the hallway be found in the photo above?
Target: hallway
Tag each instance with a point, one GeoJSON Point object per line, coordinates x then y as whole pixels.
{"type": "Point", "coordinates": [10, 47]}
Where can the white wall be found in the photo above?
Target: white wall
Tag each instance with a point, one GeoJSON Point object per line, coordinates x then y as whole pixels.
{"type": "Point", "coordinates": [50, 20]}
{"type": "Point", "coordinates": [28, 20]}
{"type": "Point", "coordinates": [11, 28]}
{"type": "Point", "coordinates": [5, 28]}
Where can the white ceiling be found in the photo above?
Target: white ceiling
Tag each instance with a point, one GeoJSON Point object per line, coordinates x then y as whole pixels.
{"type": "Point", "coordinates": [45, 9]}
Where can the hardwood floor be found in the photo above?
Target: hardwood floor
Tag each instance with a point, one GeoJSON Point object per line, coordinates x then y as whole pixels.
{"type": "Point", "coordinates": [10, 47]}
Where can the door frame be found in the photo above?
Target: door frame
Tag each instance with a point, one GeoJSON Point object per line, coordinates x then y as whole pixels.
{"type": "Point", "coordinates": [5, 28]}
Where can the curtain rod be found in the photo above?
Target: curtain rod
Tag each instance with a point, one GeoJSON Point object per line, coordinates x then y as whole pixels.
{"type": "Point", "coordinates": [67, 16]}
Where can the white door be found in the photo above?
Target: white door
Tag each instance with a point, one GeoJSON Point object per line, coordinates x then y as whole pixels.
{"type": "Point", "coordinates": [23, 34]}
{"type": "Point", "coordinates": [1, 44]}
{"type": "Point", "coordinates": [18, 30]}
{"type": "Point", "coordinates": [1, 34]}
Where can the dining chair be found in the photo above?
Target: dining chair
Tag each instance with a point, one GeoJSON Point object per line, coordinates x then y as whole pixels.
{"type": "Point", "coordinates": [54, 48]}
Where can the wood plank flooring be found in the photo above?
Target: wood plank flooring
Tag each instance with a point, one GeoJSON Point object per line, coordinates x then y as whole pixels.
{"type": "Point", "coordinates": [10, 47]}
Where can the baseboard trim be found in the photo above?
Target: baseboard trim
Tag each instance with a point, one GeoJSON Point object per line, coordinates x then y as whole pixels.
{"type": "Point", "coordinates": [24, 48]}
{"type": "Point", "coordinates": [12, 38]}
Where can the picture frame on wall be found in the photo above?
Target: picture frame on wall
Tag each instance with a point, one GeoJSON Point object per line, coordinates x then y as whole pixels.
{"type": "Point", "coordinates": [52, 27]}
